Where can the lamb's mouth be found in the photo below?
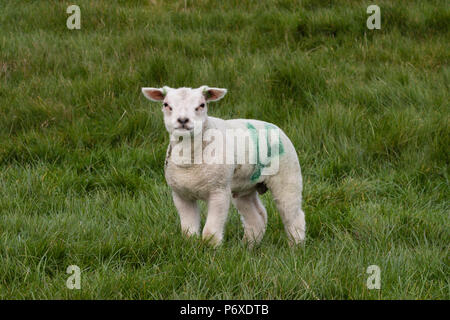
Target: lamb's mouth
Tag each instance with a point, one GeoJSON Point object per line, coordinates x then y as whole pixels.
{"type": "Point", "coordinates": [183, 128]}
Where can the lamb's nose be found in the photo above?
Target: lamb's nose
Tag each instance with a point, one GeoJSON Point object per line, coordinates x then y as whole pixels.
{"type": "Point", "coordinates": [182, 120]}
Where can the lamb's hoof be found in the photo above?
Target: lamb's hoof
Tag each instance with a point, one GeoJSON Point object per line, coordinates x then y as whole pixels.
{"type": "Point", "coordinates": [211, 239]}
{"type": "Point", "coordinates": [252, 239]}
{"type": "Point", "coordinates": [190, 234]}
{"type": "Point", "coordinates": [250, 243]}
{"type": "Point", "coordinates": [296, 235]}
{"type": "Point", "coordinates": [297, 240]}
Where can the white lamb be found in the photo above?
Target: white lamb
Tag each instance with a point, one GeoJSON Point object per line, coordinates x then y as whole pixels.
{"type": "Point", "coordinates": [218, 182]}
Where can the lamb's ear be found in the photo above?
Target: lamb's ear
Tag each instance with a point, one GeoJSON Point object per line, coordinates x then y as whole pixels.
{"type": "Point", "coordinates": [213, 94]}
{"type": "Point", "coordinates": [154, 94]}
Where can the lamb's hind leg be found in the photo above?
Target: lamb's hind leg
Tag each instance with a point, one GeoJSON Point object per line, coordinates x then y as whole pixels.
{"type": "Point", "coordinates": [254, 217]}
{"type": "Point", "coordinates": [287, 192]}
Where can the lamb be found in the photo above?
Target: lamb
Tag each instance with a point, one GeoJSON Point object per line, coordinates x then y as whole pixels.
{"type": "Point", "coordinates": [206, 173]}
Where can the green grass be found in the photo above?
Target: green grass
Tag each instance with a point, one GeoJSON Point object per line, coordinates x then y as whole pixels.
{"type": "Point", "coordinates": [82, 151]}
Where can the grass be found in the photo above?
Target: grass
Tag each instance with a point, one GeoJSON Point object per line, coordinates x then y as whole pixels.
{"type": "Point", "coordinates": [82, 151]}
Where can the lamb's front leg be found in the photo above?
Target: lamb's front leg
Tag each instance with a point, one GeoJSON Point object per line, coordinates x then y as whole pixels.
{"type": "Point", "coordinates": [189, 214]}
{"type": "Point", "coordinates": [218, 205]}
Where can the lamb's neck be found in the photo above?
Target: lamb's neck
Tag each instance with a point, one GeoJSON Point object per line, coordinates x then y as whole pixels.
{"type": "Point", "coordinates": [188, 142]}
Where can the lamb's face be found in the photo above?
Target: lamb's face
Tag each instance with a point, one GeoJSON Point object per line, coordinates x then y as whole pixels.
{"type": "Point", "coordinates": [184, 108]}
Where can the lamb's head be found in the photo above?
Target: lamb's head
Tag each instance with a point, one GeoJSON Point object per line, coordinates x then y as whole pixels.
{"type": "Point", "coordinates": [184, 107]}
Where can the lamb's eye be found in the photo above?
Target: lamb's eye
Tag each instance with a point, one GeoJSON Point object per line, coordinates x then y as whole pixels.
{"type": "Point", "coordinates": [200, 107]}
{"type": "Point", "coordinates": [167, 106]}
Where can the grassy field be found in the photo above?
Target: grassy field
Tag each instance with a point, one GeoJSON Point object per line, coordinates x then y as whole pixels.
{"type": "Point", "coordinates": [82, 151]}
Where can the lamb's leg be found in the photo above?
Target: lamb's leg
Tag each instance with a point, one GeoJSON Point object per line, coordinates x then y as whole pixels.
{"type": "Point", "coordinates": [189, 214]}
{"type": "Point", "coordinates": [260, 207]}
{"type": "Point", "coordinates": [218, 205]}
{"type": "Point", "coordinates": [254, 217]}
{"type": "Point", "coordinates": [286, 188]}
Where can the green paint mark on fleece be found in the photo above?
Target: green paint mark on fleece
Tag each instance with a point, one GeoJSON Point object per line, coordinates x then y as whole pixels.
{"type": "Point", "coordinates": [255, 138]}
